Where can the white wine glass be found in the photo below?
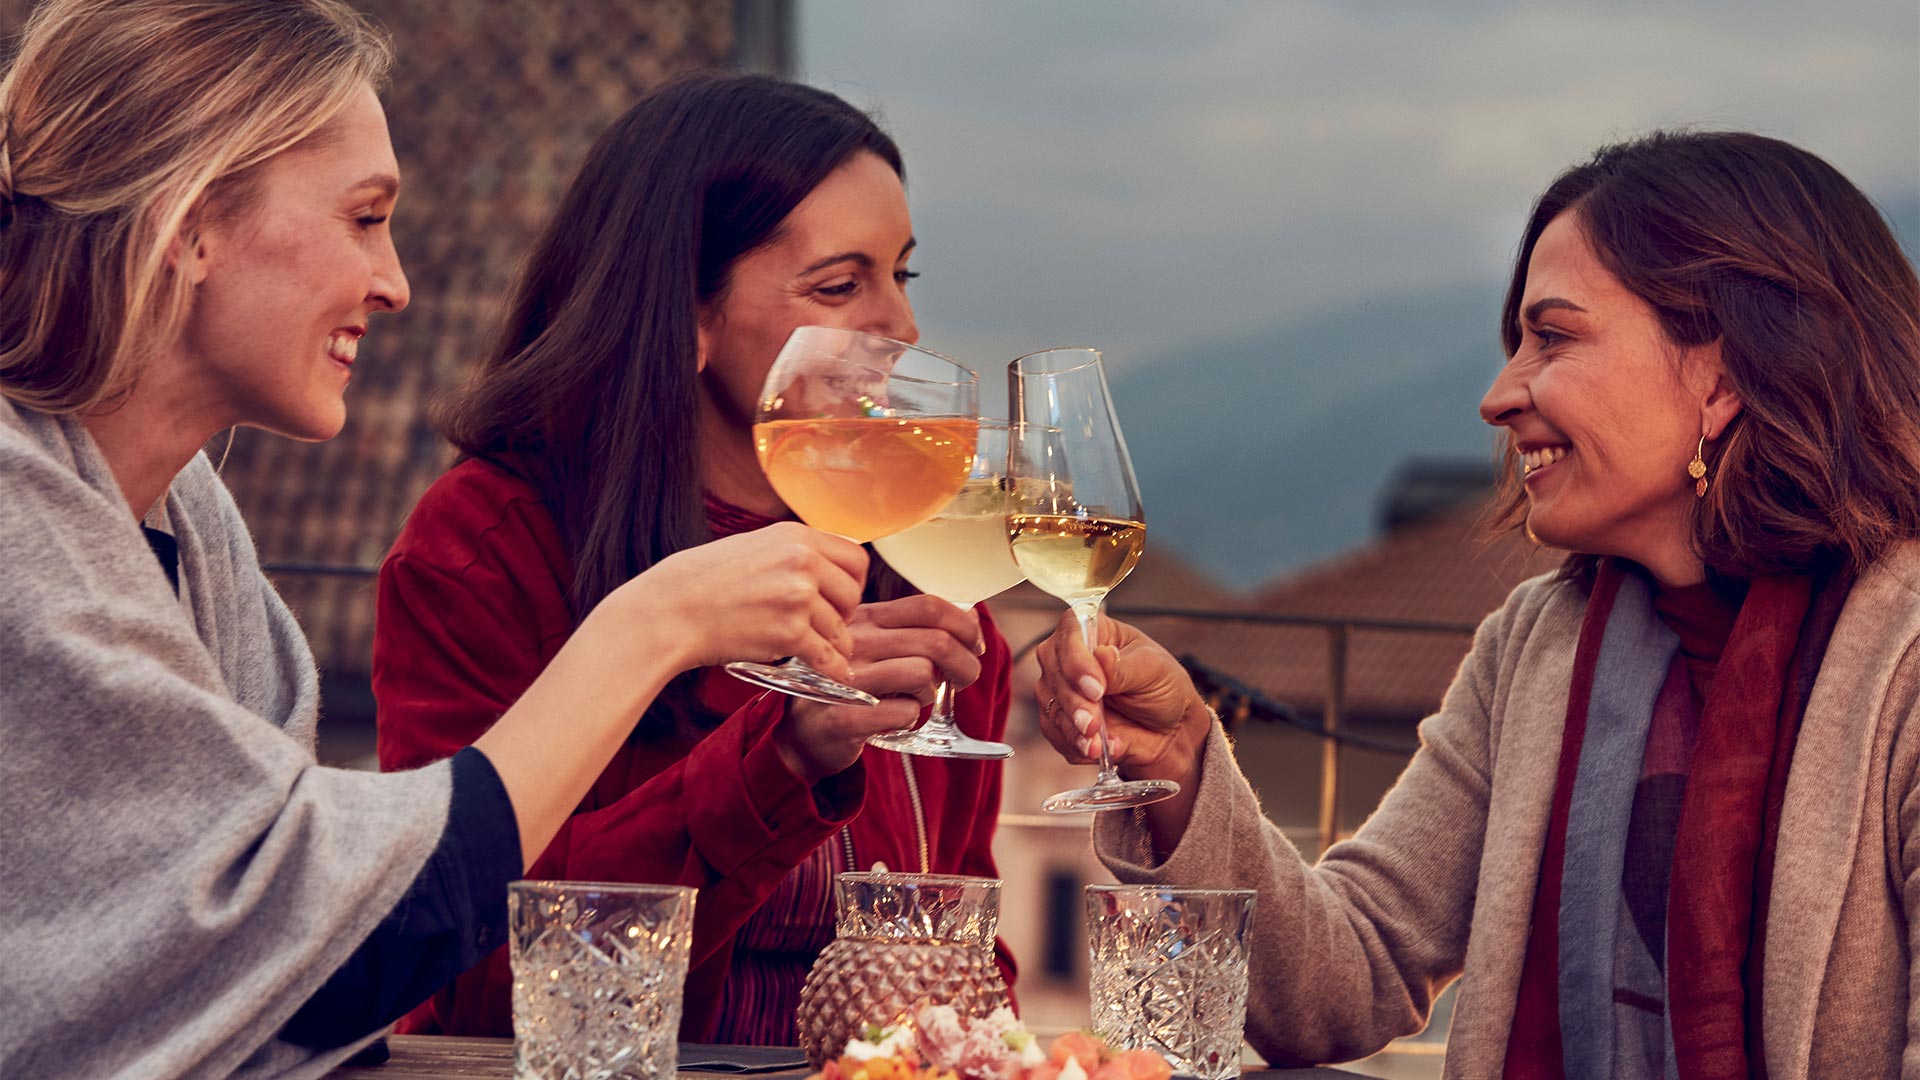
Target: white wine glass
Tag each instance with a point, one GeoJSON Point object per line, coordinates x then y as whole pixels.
{"type": "Point", "coordinates": [861, 436]}
{"type": "Point", "coordinates": [1076, 527]}
{"type": "Point", "coordinates": [961, 556]}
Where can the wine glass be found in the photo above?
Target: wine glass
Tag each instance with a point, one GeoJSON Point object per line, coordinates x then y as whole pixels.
{"type": "Point", "coordinates": [961, 556]}
{"type": "Point", "coordinates": [1076, 527]}
{"type": "Point", "coordinates": [861, 436]}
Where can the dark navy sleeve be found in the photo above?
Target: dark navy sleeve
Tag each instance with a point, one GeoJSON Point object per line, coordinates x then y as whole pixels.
{"type": "Point", "coordinates": [453, 915]}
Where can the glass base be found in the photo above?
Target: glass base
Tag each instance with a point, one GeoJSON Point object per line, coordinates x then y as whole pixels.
{"type": "Point", "coordinates": [1111, 795]}
{"type": "Point", "coordinates": [951, 743]}
{"type": "Point", "coordinates": [798, 680]}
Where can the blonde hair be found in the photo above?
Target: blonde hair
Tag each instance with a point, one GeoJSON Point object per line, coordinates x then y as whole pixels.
{"type": "Point", "coordinates": [121, 122]}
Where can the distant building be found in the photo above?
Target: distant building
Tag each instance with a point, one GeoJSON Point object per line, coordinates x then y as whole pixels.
{"type": "Point", "coordinates": [1440, 569]}
{"type": "Point", "coordinates": [1423, 487]}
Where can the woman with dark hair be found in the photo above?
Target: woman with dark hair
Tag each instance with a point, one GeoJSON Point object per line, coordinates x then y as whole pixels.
{"type": "Point", "coordinates": [612, 427]}
{"type": "Point", "coordinates": [1666, 821]}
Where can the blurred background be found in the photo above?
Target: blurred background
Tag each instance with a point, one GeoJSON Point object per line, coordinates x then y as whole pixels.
{"type": "Point", "coordinates": [1288, 224]}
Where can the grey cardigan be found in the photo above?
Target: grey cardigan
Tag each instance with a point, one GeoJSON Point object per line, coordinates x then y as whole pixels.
{"type": "Point", "coordinates": [177, 875]}
{"type": "Point", "coordinates": [1440, 881]}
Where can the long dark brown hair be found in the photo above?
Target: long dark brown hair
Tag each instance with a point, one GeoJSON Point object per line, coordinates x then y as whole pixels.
{"type": "Point", "coordinates": [1768, 250]}
{"type": "Point", "coordinates": [590, 391]}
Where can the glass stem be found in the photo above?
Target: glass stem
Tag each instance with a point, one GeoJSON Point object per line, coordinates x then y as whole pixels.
{"type": "Point", "coordinates": [1088, 613]}
{"type": "Point", "coordinates": [940, 722]}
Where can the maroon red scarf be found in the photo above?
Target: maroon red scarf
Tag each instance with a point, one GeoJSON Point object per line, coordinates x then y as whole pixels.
{"type": "Point", "coordinates": [1727, 835]}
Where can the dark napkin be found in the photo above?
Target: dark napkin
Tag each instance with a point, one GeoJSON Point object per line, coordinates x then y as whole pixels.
{"type": "Point", "coordinates": [705, 1057]}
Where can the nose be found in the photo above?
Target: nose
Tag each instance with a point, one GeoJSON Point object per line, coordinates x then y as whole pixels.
{"type": "Point", "coordinates": [1507, 398]}
{"type": "Point", "coordinates": [390, 289]}
{"type": "Point", "coordinates": [892, 315]}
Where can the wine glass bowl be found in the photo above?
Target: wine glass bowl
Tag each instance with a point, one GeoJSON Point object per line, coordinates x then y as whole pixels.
{"type": "Point", "coordinates": [961, 556]}
{"type": "Point", "coordinates": [1076, 527]}
{"type": "Point", "coordinates": [863, 477]}
{"type": "Point", "coordinates": [860, 436]}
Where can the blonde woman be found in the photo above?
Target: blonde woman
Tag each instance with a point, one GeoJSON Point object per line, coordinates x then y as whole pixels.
{"type": "Point", "coordinates": [194, 203]}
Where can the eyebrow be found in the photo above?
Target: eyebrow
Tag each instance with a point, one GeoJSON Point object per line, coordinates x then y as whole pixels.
{"type": "Point", "coordinates": [386, 183]}
{"type": "Point", "coordinates": [862, 258]}
{"type": "Point", "coordinates": [1549, 303]}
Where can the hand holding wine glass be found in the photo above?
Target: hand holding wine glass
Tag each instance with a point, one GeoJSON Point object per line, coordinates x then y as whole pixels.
{"type": "Point", "coordinates": [785, 590]}
{"type": "Point", "coordinates": [861, 436]}
{"type": "Point", "coordinates": [1146, 703]}
{"type": "Point", "coordinates": [1076, 526]}
{"type": "Point", "coordinates": [903, 651]}
{"type": "Point", "coordinates": [1132, 690]}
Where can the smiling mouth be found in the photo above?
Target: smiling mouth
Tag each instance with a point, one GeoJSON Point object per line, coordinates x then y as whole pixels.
{"type": "Point", "coordinates": [343, 347]}
{"type": "Point", "coordinates": [1533, 461]}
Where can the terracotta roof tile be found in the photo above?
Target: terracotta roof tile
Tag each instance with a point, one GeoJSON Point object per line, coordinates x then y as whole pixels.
{"type": "Point", "coordinates": [1443, 570]}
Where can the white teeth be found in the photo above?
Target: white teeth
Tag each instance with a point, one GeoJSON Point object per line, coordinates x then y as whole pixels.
{"type": "Point", "coordinates": [1534, 459]}
{"type": "Point", "coordinates": [343, 347]}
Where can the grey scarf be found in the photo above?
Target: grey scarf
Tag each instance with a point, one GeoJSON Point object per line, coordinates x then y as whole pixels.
{"type": "Point", "coordinates": [177, 874]}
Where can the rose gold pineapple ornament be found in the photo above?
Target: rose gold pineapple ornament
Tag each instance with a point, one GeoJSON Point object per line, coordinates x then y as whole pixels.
{"type": "Point", "coordinates": [901, 941]}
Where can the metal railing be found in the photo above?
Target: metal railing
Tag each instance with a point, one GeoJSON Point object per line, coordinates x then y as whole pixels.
{"type": "Point", "coordinates": [1215, 682]}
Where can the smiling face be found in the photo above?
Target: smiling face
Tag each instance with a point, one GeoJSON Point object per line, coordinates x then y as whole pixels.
{"type": "Point", "coordinates": [286, 280]}
{"type": "Point", "coordinates": [1605, 411]}
{"type": "Point", "coordinates": [839, 259]}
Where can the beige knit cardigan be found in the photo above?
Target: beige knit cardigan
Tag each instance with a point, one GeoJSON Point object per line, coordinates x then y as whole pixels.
{"type": "Point", "coordinates": [1439, 882]}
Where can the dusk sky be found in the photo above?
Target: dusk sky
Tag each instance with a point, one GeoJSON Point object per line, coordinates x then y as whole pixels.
{"type": "Point", "coordinates": [1287, 222]}
{"type": "Point", "coordinates": [1152, 176]}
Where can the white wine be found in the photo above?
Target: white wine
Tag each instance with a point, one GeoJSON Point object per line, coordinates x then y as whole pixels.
{"type": "Point", "coordinates": [1075, 558]}
{"type": "Point", "coordinates": [960, 554]}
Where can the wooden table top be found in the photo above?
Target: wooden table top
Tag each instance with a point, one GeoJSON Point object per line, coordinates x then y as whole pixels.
{"type": "Point", "coordinates": [446, 1057]}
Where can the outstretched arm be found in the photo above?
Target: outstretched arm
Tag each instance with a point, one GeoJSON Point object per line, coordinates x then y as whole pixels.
{"type": "Point", "coordinates": [1349, 953]}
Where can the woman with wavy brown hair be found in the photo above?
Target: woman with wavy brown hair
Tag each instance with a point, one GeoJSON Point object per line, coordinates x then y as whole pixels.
{"type": "Point", "coordinates": [194, 206]}
{"type": "Point", "coordinates": [1667, 820]}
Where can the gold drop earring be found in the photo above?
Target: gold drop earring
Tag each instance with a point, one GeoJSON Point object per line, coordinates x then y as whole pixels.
{"type": "Point", "coordinates": [1697, 468]}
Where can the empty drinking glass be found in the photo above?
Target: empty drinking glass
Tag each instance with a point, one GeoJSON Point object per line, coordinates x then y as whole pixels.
{"type": "Point", "coordinates": [1169, 973]}
{"type": "Point", "coordinates": [597, 975]}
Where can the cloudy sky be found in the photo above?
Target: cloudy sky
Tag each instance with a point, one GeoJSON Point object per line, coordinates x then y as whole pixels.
{"type": "Point", "coordinates": [1150, 176]}
{"type": "Point", "coordinates": [1271, 213]}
